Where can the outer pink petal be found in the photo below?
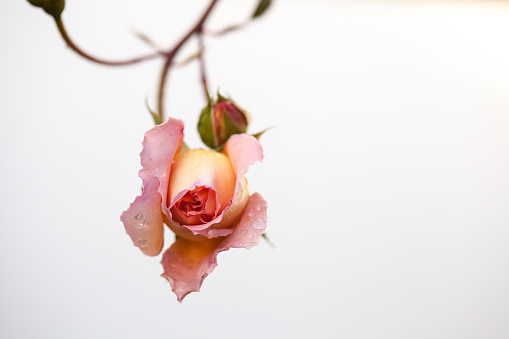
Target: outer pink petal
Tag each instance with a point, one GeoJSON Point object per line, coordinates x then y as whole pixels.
{"type": "Point", "coordinates": [143, 220]}
{"type": "Point", "coordinates": [243, 150]}
{"type": "Point", "coordinates": [187, 263]}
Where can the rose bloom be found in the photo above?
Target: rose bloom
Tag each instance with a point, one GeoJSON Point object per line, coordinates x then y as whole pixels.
{"type": "Point", "coordinates": [202, 196]}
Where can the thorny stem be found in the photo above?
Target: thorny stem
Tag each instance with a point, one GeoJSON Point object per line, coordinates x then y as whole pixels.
{"type": "Point", "coordinates": [170, 55]}
{"type": "Point", "coordinates": [75, 48]}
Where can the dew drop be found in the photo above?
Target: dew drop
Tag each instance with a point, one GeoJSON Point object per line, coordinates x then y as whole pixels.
{"type": "Point", "coordinates": [142, 243]}
{"type": "Point", "coordinates": [258, 207]}
{"type": "Point", "coordinates": [160, 170]}
{"type": "Point", "coordinates": [138, 217]}
{"type": "Point", "coordinates": [259, 224]}
{"type": "Point", "coordinates": [213, 233]}
{"type": "Point", "coordinates": [240, 244]}
{"type": "Point", "coordinates": [244, 232]}
{"type": "Point", "coordinates": [250, 214]}
{"type": "Point", "coordinates": [250, 236]}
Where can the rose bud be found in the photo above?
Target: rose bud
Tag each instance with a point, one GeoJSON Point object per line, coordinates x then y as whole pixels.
{"type": "Point", "coordinates": [52, 7]}
{"type": "Point", "coordinates": [220, 120]}
{"type": "Point", "coordinates": [202, 195]}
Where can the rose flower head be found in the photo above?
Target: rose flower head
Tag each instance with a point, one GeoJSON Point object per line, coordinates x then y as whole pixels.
{"type": "Point", "coordinates": [202, 196]}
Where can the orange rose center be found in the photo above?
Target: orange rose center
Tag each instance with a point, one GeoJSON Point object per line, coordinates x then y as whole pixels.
{"type": "Point", "coordinates": [201, 185]}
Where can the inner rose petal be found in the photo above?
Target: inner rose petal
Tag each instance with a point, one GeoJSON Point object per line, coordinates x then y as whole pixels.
{"type": "Point", "coordinates": [197, 168]}
{"type": "Point", "coordinates": [196, 206]}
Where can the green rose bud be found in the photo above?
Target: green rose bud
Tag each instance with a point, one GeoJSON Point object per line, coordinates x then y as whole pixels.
{"type": "Point", "coordinates": [52, 7]}
{"type": "Point", "coordinates": [220, 120]}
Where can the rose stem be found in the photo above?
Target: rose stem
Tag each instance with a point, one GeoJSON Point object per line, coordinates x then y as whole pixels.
{"type": "Point", "coordinates": [170, 55]}
{"type": "Point", "coordinates": [203, 73]}
{"type": "Point", "coordinates": [75, 48]}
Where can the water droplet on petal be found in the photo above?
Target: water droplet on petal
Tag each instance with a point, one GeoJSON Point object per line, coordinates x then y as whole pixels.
{"type": "Point", "coordinates": [138, 217]}
{"type": "Point", "coordinates": [160, 170]}
{"type": "Point", "coordinates": [142, 243]}
{"type": "Point", "coordinates": [213, 233]}
{"type": "Point", "coordinates": [250, 214]}
{"type": "Point", "coordinates": [259, 224]}
{"type": "Point", "coordinates": [250, 236]}
{"type": "Point", "coordinates": [258, 207]}
{"type": "Point", "coordinates": [240, 244]}
{"type": "Point", "coordinates": [244, 232]}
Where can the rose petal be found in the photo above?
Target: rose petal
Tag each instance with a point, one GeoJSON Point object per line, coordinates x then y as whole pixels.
{"type": "Point", "coordinates": [243, 151]}
{"type": "Point", "coordinates": [198, 167]}
{"type": "Point", "coordinates": [143, 219]}
{"type": "Point", "coordinates": [187, 263]}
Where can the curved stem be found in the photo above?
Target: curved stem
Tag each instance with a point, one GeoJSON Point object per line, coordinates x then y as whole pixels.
{"type": "Point", "coordinates": [75, 48]}
{"type": "Point", "coordinates": [203, 73]}
{"type": "Point", "coordinates": [173, 52]}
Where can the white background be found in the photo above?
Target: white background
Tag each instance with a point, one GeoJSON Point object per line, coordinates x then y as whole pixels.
{"type": "Point", "coordinates": [386, 173]}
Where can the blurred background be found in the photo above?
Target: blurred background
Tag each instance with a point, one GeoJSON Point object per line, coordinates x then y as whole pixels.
{"type": "Point", "coordinates": [386, 173]}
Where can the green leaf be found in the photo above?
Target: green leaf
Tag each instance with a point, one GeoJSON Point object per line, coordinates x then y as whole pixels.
{"type": "Point", "coordinates": [155, 116]}
{"type": "Point", "coordinates": [263, 5]}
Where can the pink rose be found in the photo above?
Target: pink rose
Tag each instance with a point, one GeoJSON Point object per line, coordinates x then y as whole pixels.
{"type": "Point", "coordinates": [202, 196]}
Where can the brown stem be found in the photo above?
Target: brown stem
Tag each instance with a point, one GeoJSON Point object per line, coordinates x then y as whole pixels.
{"type": "Point", "coordinates": [75, 48]}
{"type": "Point", "coordinates": [226, 30]}
{"type": "Point", "coordinates": [203, 73]}
{"type": "Point", "coordinates": [169, 57]}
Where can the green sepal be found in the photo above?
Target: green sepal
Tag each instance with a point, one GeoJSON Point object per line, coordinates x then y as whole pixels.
{"type": "Point", "coordinates": [155, 116]}
{"type": "Point", "coordinates": [205, 127]}
{"type": "Point", "coordinates": [221, 98]}
{"type": "Point", "coordinates": [263, 5]}
{"type": "Point", "coordinates": [259, 134]}
{"type": "Point", "coordinates": [230, 128]}
{"type": "Point", "coordinates": [266, 238]}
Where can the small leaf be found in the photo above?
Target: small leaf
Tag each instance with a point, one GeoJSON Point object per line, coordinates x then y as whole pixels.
{"type": "Point", "coordinates": [259, 134]}
{"type": "Point", "coordinates": [263, 5]}
{"type": "Point", "coordinates": [155, 116]}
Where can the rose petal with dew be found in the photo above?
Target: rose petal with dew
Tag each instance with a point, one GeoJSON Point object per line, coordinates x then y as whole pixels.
{"type": "Point", "coordinates": [243, 151]}
{"type": "Point", "coordinates": [187, 263]}
{"type": "Point", "coordinates": [143, 219]}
